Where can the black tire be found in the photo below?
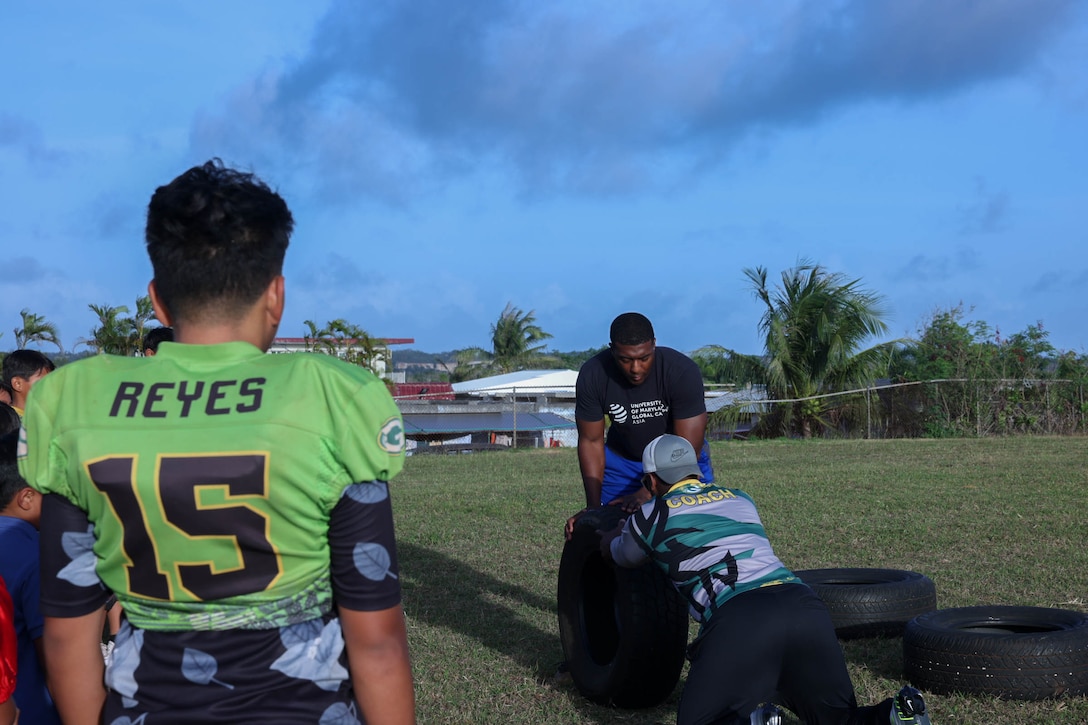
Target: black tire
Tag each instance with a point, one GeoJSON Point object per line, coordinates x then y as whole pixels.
{"type": "Point", "coordinates": [871, 602]}
{"type": "Point", "coordinates": [1017, 653]}
{"type": "Point", "coordinates": [624, 631]}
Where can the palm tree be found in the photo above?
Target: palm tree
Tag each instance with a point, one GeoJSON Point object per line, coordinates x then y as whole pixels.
{"type": "Point", "coordinates": [313, 339]}
{"type": "Point", "coordinates": [112, 334]}
{"type": "Point", "coordinates": [348, 341]}
{"type": "Point", "coordinates": [721, 365]}
{"type": "Point", "coordinates": [117, 335]}
{"type": "Point", "coordinates": [36, 329]}
{"type": "Point", "coordinates": [514, 346]}
{"type": "Point", "coordinates": [137, 324]}
{"type": "Point", "coordinates": [813, 326]}
{"type": "Point", "coordinates": [356, 345]}
{"type": "Point", "coordinates": [471, 363]}
{"type": "Point", "coordinates": [514, 338]}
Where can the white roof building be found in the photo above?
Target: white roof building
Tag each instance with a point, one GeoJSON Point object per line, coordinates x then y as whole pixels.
{"type": "Point", "coordinates": [553, 383]}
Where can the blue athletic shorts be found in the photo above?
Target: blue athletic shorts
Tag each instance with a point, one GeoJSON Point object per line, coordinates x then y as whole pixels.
{"type": "Point", "coordinates": [623, 476]}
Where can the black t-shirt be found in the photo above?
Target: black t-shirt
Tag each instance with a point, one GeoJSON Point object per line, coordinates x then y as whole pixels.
{"type": "Point", "coordinates": [639, 413]}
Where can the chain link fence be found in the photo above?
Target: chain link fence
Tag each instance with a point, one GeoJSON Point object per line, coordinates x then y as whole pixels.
{"type": "Point", "coordinates": [440, 420]}
{"type": "Point", "coordinates": [926, 409]}
{"type": "Point", "coordinates": [520, 416]}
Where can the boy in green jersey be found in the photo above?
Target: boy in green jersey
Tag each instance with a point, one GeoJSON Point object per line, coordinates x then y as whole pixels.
{"type": "Point", "coordinates": [236, 503]}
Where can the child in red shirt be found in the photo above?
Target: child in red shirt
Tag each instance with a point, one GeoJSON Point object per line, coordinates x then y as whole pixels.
{"type": "Point", "coordinates": [9, 655]}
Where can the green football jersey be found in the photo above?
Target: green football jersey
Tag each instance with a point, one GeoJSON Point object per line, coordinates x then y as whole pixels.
{"type": "Point", "coordinates": [209, 473]}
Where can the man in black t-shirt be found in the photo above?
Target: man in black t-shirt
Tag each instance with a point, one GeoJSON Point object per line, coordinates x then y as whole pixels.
{"type": "Point", "coordinates": [645, 391]}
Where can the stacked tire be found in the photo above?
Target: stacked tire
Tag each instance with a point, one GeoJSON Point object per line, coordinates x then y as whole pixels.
{"type": "Point", "coordinates": [624, 631]}
{"type": "Point", "coordinates": [871, 602]}
{"type": "Point", "coordinates": [1019, 653]}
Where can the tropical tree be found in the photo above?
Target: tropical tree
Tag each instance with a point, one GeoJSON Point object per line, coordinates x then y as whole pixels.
{"type": "Point", "coordinates": [1071, 366]}
{"type": "Point", "coordinates": [515, 345]}
{"type": "Point", "coordinates": [357, 346]}
{"type": "Point", "coordinates": [574, 359]}
{"type": "Point", "coordinates": [350, 342]}
{"type": "Point", "coordinates": [36, 328]}
{"type": "Point", "coordinates": [471, 363]}
{"type": "Point", "coordinates": [111, 335]}
{"type": "Point", "coordinates": [814, 323]}
{"type": "Point", "coordinates": [721, 365]}
{"type": "Point", "coordinates": [983, 382]}
{"type": "Point", "coordinates": [515, 337]}
{"type": "Point", "coordinates": [116, 334]}
{"type": "Point", "coordinates": [313, 338]}
{"type": "Point", "coordinates": [1028, 354]}
{"type": "Point", "coordinates": [948, 347]}
{"type": "Point", "coordinates": [137, 324]}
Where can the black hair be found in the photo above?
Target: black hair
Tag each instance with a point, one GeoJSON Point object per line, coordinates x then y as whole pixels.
{"type": "Point", "coordinates": [11, 482]}
{"type": "Point", "coordinates": [631, 328]}
{"type": "Point", "coordinates": [156, 335]}
{"type": "Point", "coordinates": [24, 363]}
{"type": "Point", "coordinates": [216, 238]}
{"type": "Point", "coordinates": [9, 419]}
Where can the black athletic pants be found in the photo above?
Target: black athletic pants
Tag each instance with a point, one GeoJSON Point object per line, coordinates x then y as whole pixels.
{"type": "Point", "coordinates": [774, 644]}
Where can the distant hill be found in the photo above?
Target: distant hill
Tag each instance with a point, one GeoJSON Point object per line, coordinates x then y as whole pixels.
{"type": "Point", "coordinates": [411, 356]}
{"type": "Point", "coordinates": [60, 358]}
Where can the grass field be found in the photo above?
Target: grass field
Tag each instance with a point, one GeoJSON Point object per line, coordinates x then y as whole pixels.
{"type": "Point", "coordinates": [997, 521]}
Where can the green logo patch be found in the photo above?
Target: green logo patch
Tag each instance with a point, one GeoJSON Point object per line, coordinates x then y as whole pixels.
{"type": "Point", "coordinates": [391, 438]}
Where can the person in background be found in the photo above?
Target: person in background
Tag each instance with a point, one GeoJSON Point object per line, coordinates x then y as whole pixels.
{"type": "Point", "coordinates": [9, 419]}
{"type": "Point", "coordinates": [22, 369]}
{"type": "Point", "coordinates": [20, 515]}
{"type": "Point", "coordinates": [8, 658]}
{"type": "Point", "coordinates": [249, 539]}
{"type": "Point", "coordinates": [645, 391]}
{"type": "Point", "coordinates": [763, 631]}
{"type": "Point", "coordinates": [154, 337]}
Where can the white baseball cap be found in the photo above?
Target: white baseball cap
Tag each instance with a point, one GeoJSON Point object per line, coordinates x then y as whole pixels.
{"type": "Point", "coordinates": [671, 457]}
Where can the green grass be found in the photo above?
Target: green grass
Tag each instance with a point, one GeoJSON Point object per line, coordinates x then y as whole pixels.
{"type": "Point", "coordinates": [995, 521]}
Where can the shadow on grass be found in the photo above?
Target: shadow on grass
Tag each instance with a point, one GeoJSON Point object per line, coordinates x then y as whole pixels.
{"type": "Point", "coordinates": [444, 592]}
{"type": "Point", "coordinates": [882, 656]}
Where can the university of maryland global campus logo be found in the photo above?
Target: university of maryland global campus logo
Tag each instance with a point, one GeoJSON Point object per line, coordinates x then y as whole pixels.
{"type": "Point", "coordinates": [391, 437]}
{"type": "Point", "coordinates": [618, 413]}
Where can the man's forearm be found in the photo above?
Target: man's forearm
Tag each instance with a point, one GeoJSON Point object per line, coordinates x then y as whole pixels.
{"type": "Point", "coordinates": [591, 435]}
{"type": "Point", "coordinates": [74, 667]}
{"type": "Point", "coordinates": [591, 466]}
{"type": "Point", "coordinates": [592, 487]}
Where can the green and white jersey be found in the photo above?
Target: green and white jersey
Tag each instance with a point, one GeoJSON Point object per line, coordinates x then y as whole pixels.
{"type": "Point", "coordinates": [209, 474]}
{"type": "Point", "coordinates": [707, 539]}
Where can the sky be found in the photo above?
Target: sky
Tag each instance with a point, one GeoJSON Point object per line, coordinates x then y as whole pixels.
{"type": "Point", "coordinates": [574, 159]}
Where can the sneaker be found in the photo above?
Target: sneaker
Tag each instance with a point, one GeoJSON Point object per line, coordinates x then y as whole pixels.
{"type": "Point", "coordinates": [767, 714]}
{"type": "Point", "coordinates": [909, 707]}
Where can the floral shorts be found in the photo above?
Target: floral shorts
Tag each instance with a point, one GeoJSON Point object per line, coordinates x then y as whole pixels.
{"type": "Point", "coordinates": [296, 674]}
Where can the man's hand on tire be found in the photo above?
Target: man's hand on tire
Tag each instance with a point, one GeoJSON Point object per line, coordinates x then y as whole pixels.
{"type": "Point", "coordinates": [631, 502]}
{"type": "Point", "coordinates": [568, 530]}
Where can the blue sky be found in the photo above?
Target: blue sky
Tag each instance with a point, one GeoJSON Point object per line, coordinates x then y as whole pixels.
{"type": "Point", "coordinates": [576, 159]}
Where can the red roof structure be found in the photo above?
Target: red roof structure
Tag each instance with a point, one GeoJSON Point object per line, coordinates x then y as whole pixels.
{"type": "Point", "coordinates": [423, 391]}
{"type": "Point", "coordinates": [383, 340]}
